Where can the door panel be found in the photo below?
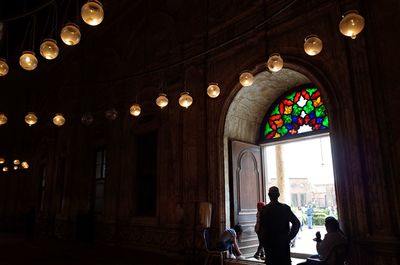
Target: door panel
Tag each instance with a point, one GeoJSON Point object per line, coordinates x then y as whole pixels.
{"type": "Point", "coordinates": [247, 188]}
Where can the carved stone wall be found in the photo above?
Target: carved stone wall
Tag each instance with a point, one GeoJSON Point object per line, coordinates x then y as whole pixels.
{"type": "Point", "coordinates": [358, 79]}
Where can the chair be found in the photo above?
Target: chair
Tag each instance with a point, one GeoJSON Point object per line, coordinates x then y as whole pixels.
{"type": "Point", "coordinates": [211, 251]}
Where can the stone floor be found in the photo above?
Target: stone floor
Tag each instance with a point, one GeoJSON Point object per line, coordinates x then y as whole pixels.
{"type": "Point", "coordinates": [15, 250]}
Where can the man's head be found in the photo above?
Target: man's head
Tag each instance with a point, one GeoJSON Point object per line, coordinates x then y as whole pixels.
{"type": "Point", "coordinates": [273, 193]}
{"type": "Point", "coordinates": [331, 224]}
{"type": "Point", "coordinates": [238, 229]}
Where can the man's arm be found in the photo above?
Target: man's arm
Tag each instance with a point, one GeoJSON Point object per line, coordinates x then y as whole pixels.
{"type": "Point", "coordinates": [236, 247]}
{"type": "Point", "coordinates": [295, 225]}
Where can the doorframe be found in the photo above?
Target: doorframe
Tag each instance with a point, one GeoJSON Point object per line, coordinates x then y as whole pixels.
{"type": "Point", "coordinates": [317, 77]}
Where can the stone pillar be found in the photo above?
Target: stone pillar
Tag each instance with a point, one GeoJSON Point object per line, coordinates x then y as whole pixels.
{"type": "Point", "coordinates": [280, 173]}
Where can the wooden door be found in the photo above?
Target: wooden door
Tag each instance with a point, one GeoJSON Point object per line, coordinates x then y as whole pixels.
{"type": "Point", "coordinates": [246, 189]}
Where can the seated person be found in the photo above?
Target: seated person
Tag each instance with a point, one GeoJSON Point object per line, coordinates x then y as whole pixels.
{"type": "Point", "coordinates": [228, 241]}
{"type": "Point", "coordinates": [332, 249]}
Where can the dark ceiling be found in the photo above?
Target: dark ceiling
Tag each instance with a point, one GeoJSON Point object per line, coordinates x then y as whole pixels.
{"type": "Point", "coordinates": [137, 44]}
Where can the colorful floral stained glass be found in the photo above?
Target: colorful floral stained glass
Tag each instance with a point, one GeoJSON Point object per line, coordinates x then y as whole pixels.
{"type": "Point", "coordinates": [300, 111]}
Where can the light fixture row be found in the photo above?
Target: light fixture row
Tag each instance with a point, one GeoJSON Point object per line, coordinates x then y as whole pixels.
{"type": "Point", "coordinates": [17, 164]}
{"type": "Point", "coordinates": [92, 14]}
{"type": "Point", "coordinates": [351, 25]}
{"type": "Point", "coordinates": [185, 100]}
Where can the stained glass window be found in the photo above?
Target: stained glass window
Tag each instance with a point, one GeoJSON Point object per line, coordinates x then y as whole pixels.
{"type": "Point", "coordinates": [299, 111]}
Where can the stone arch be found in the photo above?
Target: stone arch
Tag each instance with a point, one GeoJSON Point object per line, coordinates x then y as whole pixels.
{"type": "Point", "coordinates": [245, 108]}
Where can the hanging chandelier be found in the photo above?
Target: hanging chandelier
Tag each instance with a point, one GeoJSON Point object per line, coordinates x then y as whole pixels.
{"type": "Point", "coordinates": [16, 164]}
{"type": "Point", "coordinates": [92, 13]}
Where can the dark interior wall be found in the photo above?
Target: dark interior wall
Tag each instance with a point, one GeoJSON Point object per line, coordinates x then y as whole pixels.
{"type": "Point", "coordinates": [357, 78]}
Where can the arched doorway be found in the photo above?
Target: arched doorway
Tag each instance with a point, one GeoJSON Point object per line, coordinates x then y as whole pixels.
{"type": "Point", "coordinates": [241, 144]}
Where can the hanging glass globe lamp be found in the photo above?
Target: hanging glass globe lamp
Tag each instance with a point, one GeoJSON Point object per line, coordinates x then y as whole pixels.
{"type": "Point", "coordinates": [49, 49]}
{"type": "Point", "coordinates": [92, 12]}
{"type": "Point", "coordinates": [31, 118]}
{"type": "Point", "coordinates": [59, 119]}
{"type": "Point", "coordinates": [3, 118]}
{"type": "Point", "coordinates": [135, 110]}
{"type": "Point", "coordinates": [87, 119]}
{"type": "Point", "coordinates": [275, 62]}
{"type": "Point", "coordinates": [28, 60]}
{"type": "Point", "coordinates": [185, 100]}
{"type": "Point", "coordinates": [2, 160]}
{"type": "Point", "coordinates": [70, 34]}
{"type": "Point", "coordinates": [24, 165]}
{"type": "Point", "coordinates": [16, 162]}
{"type": "Point", "coordinates": [246, 79]}
{"type": "Point", "coordinates": [213, 90]}
{"type": "Point", "coordinates": [162, 100]}
{"type": "Point", "coordinates": [3, 67]}
{"type": "Point", "coordinates": [111, 114]}
{"type": "Point", "coordinates": [5, 169]}
{"type": "Point", "coordinates": [312, 45]}
{"type": "Point", "coordinates": [351, 24]}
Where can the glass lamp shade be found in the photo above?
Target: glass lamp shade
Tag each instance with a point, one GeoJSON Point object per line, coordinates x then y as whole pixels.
{"type": "Point", "coordinates": [275, 62]}
{"type": "Point", "coordinates": [246, 79]}
{"type": "Point", "coordinates": [92, 13]}
{"type": "Point", "coordinates": [213, 90]}
{"type": "Point", "coordinates": [87, 119]}
{"type": "Point", "coordinates": [15, 167]}
{"type": "Point", "coordinates": [135, 110]}
{"type": "Point", "coordinates": [24, 165]}
{"type": "Point", "coordinates": [312, 45]}
{"type": "Point", "coordinates": [5, 169]}
{"type": "Point", "coordinates": [28, 60]}
{"type": "Point", "coordinates": [3, 67]}
{"type": "Point", "coordinates": [111, 114]}
{"type": "Point", "coordinates": [185, 100]}
{"type": "Point", "coordinates": [31, 118]}
{"type": "Point", "coordinates": [351, 24]}
{"type": "Point", "coordinates": [70, 34]}
{"type": "Point", "coordinates": [49, 49]}
{"type": "Point", "coordinates": [2, 160]}
{"type": "Point", "coordinates": [162, 100]}
{"type": "Point", "coordinates": [3, 119]}
{"type": "Point", "coordinates": [59, 120]}
{"type": "Point", "coordinates": [16, 162]}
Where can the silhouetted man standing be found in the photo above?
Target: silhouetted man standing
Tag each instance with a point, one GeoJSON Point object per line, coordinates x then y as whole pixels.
{"type": "Point", "coordinates": [276, 231]}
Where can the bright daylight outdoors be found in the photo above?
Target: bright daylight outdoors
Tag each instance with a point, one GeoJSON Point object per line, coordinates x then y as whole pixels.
{"type": "Point", "coordinates": [303, 171]}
